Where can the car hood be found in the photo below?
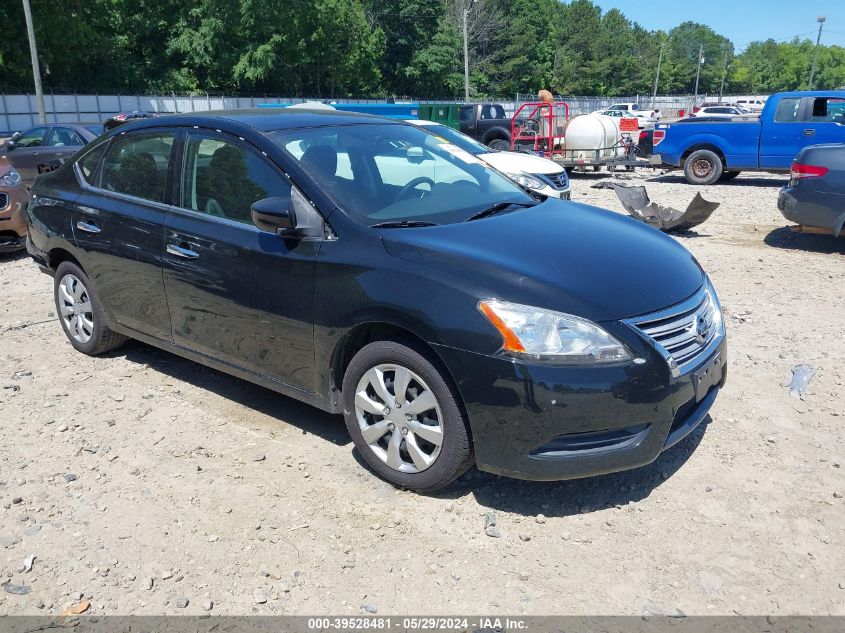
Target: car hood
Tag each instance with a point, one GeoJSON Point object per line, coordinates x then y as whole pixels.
{"type": "Point", "coordinates": [521, 162]}
{"type": "Point", "coordinates": [559, 255]}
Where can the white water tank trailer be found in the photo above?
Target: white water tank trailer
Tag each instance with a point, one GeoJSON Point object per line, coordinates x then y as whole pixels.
{"type": "Point", "coordinates": [586, 133]}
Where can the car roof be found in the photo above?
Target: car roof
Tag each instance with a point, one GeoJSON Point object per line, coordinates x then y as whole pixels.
{"type": "Point", "coordinates": [260, 119]}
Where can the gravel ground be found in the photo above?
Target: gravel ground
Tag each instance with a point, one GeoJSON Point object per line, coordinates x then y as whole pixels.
{"type": "Point", "coordinates": [146, 484]}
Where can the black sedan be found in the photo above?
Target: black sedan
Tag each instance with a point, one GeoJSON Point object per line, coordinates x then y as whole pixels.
{"type": "Point", "coordinates": [367, 268]}
{"type": "Point", "coordinates": [815, 195]}
{"type": "Point", "coordinates": [43, 148]}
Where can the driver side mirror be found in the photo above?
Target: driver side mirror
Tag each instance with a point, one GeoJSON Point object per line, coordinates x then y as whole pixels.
{"type": "Point", "coordinates": [274, 215]}
{"type": "Point", "coordinates": [11, 144]}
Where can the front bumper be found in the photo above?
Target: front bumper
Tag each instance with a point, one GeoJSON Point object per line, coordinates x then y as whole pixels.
{"type": "Point", "coordinates": [543, 422]}
{"type": "Point", "coordinates": [552, 192]}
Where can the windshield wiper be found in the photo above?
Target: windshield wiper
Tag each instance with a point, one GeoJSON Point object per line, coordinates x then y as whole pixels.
{"type": "Point", "coordinates": [498, 208]}
{"type": "Point", "coordinates": [403, 224]}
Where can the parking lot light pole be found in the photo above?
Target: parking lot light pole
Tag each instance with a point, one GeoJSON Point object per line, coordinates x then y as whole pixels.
{"type": "Point", "coordinates": [820, 20]}
{"type": "Point", "coordinates": [36, 71]}
{"type": "Point", "coordinates": [657, 74]}
{"type": "Point", "coordinates": [698, 72]}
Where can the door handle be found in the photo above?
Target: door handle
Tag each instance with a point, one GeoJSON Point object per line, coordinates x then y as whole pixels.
{"type": "Point", "coordinates": [180, 251]}
{"type": "Point", "coordinates": [88, 227]}
{"type": "Point", "coordinates": [809, 132]}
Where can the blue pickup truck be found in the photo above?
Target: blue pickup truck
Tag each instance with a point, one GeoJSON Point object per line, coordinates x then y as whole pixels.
{"type": "Point", "coordinates": [709, 150]}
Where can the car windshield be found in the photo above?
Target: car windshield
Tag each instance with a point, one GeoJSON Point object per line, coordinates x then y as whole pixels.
{"type": "Point", "coordinates": [397, 173]}
{"type": "Point", "coordinates": [451, 135]}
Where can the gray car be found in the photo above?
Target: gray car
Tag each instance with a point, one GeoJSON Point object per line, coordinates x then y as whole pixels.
{"type": "Point", "coordinates": [815, 195]}
{"type": "Point", "coordinates": [44, 147]}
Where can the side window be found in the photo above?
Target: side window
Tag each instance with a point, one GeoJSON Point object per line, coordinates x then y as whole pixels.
{"type": "Point", "coordinates": [466, 114]}
{"type": "Point", "coordinates": [88, 163]}
{"type": "Point", "coordinates": [31, 138]}
{"type": "Point", "coordinates": [787, 110]}
{"type": "Point", "coordinates": [828, 110]}
{"type": "Point", "coordinates": [64, 137]}
{"type": "Point", "coordinates": [223, 179]}
{"type": "Point", "coordinates": [137, 165]}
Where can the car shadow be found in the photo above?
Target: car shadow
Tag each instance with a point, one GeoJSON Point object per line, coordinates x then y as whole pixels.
{"type": "Point", "coordinates": [260, 399]}
{"type": "Point", "coordinates": [528, 498]}
{"type": "Point", "coordinates": [786, 238]}
{"type": "Point", "coordinates": [576, 496]}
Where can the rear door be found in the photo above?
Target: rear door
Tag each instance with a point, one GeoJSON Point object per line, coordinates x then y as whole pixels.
{"type": "Point", "coordinates": [118, 225]}
{"type": "Point", "coordinates": [236, 293]}
{"type": "Point", "coordinates": [825, 120]}
{"type": "Point", "coordinates": [468, 120]}
{"type": "Point", "coordinates": [782, 136]}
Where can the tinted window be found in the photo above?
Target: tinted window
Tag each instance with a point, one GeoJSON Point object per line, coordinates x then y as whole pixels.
{"type": "Point", "coordinates": [137, 165]}
{"type": "Point", "coordinates": [31, 138]}
{"type": "Point", "coordinates": [64, 137]}
{"type": "Point", "coordinates": [223, 179]}
{"type": "Point", "coordinates": [787, 110]}
{"type": "Point", "coordinates": [95, 129]}
{"type": "Point", "coordinates": [88, 163]}
{"type": "Point", "coordinates": [827, 110]}
{"type": "Point", "coordinates": [466, 113]}
{"type": "Point", "coordinates": [492, 111]}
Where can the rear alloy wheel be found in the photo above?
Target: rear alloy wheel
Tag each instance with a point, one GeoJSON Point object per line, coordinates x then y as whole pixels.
{"type": "Point", "coordinates": [404, 418]}
{"type": "Point", "coordinates": [80, 312]}
{"type": "Point", "coordinates": [703, 167]}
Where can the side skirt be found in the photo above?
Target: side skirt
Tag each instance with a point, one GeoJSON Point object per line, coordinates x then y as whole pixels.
{"type": "Point", "coordinates": [285, 389]}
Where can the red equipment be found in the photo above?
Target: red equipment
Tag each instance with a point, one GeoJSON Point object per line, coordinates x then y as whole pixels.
{"type": "Point", "coordinates": [538, 126]}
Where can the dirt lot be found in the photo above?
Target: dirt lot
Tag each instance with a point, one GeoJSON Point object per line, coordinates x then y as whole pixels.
{"type": "Point", "coordinates": [142, 480]}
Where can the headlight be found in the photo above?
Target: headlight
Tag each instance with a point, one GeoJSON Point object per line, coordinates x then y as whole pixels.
{"type": "Point", "coordinates": [526, 181]}
{"type": "Point", "coordinates": [554, 336]}
{"type": "Point", "coordinates": [11, 178]}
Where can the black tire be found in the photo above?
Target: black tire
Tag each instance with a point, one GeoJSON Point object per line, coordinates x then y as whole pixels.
{"type": "Point", "coordinates": [102, 339]}
{"type": "Point", "coordinates": [703, 167]}
{"type": "Point", "coordinates": [499, 144]}
{"type": "Point", "coordinates": [456, 454]}
{"type": "Point", "coordinates": [729, 175]}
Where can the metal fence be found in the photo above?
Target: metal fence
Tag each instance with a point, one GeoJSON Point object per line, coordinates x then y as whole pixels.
{"type": "Point", "coordinates": [20, 111]}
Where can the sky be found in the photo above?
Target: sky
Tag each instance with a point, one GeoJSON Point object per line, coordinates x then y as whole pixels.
{"type": "Point", "coordinates": [742, 21]}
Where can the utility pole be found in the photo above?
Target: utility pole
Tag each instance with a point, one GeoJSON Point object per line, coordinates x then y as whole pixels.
{"type": "Point", "coordinates": [36, 72]}
{"type": "Point", "coordinates": [657, 75]}
{"type": "Point", "coordinates": [724, 72]}
{"type": "Point", "coordinates": [466, 57]}
{"type": "Point", "coordinates": [698, 73]}
{"type": "Point", "coordinates": [465, 14]}
{"type": "Point", "coordinates": [820, 20]}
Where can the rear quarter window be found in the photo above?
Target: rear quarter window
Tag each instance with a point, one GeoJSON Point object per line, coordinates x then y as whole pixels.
{"type": "Point", "coordinates": [787, 110]}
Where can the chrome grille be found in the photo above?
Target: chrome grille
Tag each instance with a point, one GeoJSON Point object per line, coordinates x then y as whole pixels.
{"type": "Point", "coordinates": [4, 199]}
{"type": "Point", "coordinates": [686, 332]}
{"type": "Point", "coordinates": [559, 181]}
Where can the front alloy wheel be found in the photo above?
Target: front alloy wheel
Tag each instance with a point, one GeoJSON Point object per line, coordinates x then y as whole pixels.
{"type": "Point", "coordinates": [404, 416]}
{"type": "Point", "coordinates": [399, 418]}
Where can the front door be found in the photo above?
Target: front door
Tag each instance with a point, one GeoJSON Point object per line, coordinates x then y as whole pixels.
{"type": "Point", "coordinates": [27, 153]}
{"type": "Point", "coordinates": [118, 226]}
{"type": "Point", "coordinates": [780, 139]}
{"type": "Point", "coordinates": [236, 293]}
